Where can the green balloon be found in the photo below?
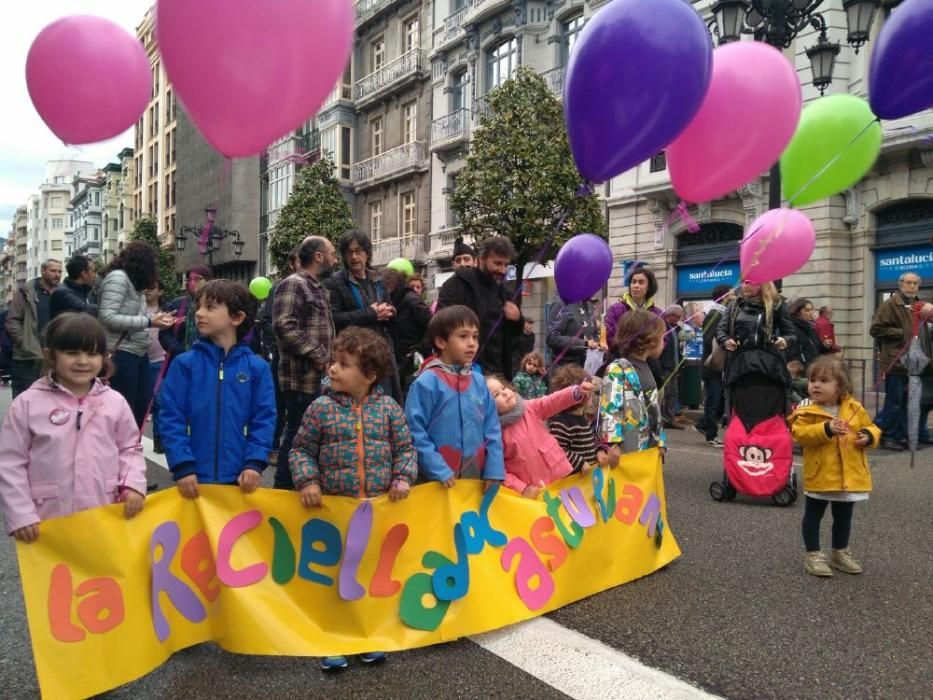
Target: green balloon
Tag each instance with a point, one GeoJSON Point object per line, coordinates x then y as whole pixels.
{"type": "Point", "coordinates": [402, 265]}
{"type": "Point", "coordinates": [837, 141]}
{"type": "Point", "coordinates": [260, 287]}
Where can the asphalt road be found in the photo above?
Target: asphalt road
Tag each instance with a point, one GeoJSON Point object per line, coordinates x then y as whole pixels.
{"type": "Point", "coordinates": [735, 615]}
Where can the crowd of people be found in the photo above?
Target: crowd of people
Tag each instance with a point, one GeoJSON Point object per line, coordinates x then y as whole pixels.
{"type": "Point", "coordinates": [351, 384]}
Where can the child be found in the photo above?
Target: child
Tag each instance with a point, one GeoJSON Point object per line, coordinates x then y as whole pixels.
{"type": "Point", "coordinates": [571, 428]}
{"type": "Point", "coordinates": [834, 431]}
{"type": "Point", "coordinates": [69, 442]}
{"type": "Point", "coordinates": [217, 404]}
{"type": "Point", "coordinates": [354, 441]}
{"type": "Point", "coordinates": [798, 382]}
{"type": "Point", "coordinates": [533, 458]}
{"type": "Point", "coordinates": [452, 417]}
{"type": "Point", "coordinates": [629, 404]}
{"type": "Point", "coordinates": [529, 381]}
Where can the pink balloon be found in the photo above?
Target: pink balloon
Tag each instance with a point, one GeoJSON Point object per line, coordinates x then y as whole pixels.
{"type": "Point", "coordinates": [248, 72]}
{"type": "Point", "coordinates": [777, 244]}
{"type": "Point", "coordinates": [747, 118]}
{"type": "Point", "coordinates": [88, 78]}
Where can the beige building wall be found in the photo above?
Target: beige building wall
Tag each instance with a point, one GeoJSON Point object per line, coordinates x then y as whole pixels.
{"type": "Point", "coordinates": [20, 260]}
{"type": "Point", "coordinates": [155, 153]}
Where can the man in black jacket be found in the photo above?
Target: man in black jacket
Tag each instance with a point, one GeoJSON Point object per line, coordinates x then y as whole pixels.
{"type": "Point", "coordinates": [73, 293]}
{"type": "Point", "coordinates": [358, 297]}
{"type": "Point", "coordinates": [480, 288]}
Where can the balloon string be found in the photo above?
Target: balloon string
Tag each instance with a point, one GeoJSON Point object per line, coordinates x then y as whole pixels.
{"type": "Point", "coordinates": [790, 200]}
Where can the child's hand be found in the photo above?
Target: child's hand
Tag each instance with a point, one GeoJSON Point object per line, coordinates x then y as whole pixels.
{"type": "Point", "coordinates": [449, 483]}
{"type": "Point", "coordinates": [27, 534]}
{"type": "Point", "coordinates": [586, 386]}
{"type": "Point", "coordinates": [399, 490]}
{"type": "Point", "coordinates": [188, 485]}
{"type": "Point", "coordinates": [610, 458]}
{"type": "Point", "coordinates": [862, 440]}
{"type": "Point", "coordinates": [532, 491]}
{"type": "Point", "coordinates": [249, 480]}
{"type": "Point", "coordinates": [311, 496]}
{"type": "Point", "coordinates": [587, 467]}
{"type": "Point", "coordinates": [839, 426]}
{"type": "Point", "coordinates": [133, 502]}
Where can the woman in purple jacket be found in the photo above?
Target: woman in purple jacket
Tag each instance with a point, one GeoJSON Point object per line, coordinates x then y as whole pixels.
{"type": "Point", "coordinates": [642, 286]}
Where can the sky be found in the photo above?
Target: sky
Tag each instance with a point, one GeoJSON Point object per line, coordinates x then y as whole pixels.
{"type": "Point", "coordinates": [26, 143]}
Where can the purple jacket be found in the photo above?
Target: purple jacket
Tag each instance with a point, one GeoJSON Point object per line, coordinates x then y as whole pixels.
{"type": "Point", "coordinates": [619, 309]}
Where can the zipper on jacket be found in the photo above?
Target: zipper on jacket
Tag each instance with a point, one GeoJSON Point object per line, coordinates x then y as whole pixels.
{"type": "Point", "coordinates": [220, 406]}
{"type": "Point", "coordinates": [360, 450]}
{"type": "Point", "coordinates": [78, 421]}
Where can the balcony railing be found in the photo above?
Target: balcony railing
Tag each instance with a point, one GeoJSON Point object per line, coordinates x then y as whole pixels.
{"type": "Point", "coordinates": [364, 9]}
{"type": "Point", "coordinates": [453, 25]}
{"type": "Point", "coordinates": [405, 66]}
{"type": "Point", "coordinates": [414, 247]}
{"type": "Point", "coordinates": [405, 157]}
{"type": "Point", "coordinates": [555, 80]}
{"type": "Point", "coordinates": [450, 129]}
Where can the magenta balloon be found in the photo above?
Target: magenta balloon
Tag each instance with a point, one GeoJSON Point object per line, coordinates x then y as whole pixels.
{"type": "Point", "coordinates": [583, 266]}
{"type": "Point", "coordinates": [776, 245]}
{"type": "Point", "coordinates": [247, 72]}
{"type": "Point", "coordinates": [747, 118]}
{"type": "Point", "coordinates": [88, 78]}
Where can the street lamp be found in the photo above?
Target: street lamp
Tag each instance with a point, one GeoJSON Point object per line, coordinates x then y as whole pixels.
{"type": "Point", "coordinates": [209, 236]}
{"type": "Point", "coordinates": [778, 22]}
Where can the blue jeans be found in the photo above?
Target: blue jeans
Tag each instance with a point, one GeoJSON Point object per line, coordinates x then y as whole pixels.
{"type": "Point", "coordinates": [132, 379]}
{"type": "Point", "coordinates": [892, 418]}
{"type": "Point", "coordinates": [154, 369]}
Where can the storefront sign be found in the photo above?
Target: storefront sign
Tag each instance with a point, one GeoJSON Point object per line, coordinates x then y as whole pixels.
{"type": "Point", "coordinates": [699, 280]}
{"type": "Point", "coordinates": [891, 264]}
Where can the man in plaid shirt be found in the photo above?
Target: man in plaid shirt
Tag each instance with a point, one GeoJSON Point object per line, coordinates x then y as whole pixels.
{"type": "Point", "coordinates": [304, 328]}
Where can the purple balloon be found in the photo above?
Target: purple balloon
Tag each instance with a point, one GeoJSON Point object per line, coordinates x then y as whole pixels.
{"type": "Point", "coordinates": [583, 265]}
{"type": "Point", "coordinates": [636, 78]}
{"type": "Point", "coordinates": [900, 77]}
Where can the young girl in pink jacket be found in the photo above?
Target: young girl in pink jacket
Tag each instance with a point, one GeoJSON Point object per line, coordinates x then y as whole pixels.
{"type": "Point", "coordinates": [533, 459]}
{"type": "Point", "coordinates": [69, 442]}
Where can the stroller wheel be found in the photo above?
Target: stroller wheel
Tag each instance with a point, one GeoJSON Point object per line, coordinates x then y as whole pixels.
{"type": "Point", "coordinates": [784, 497]}
{"type": "Point", "coordinates": [730, 492]}
{"type": "Point", "coordinates": [716, 491]}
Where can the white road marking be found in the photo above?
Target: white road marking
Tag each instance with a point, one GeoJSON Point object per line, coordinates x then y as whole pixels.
{"type": "Point", "coordinates": [581, 667]}
{"type": "Point", "coordinates": [151, 456]}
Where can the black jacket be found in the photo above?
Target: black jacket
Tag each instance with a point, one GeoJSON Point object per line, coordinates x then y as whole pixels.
{"type": "Point", "coordinates": [710, 324]}
{"type": "Point", "coordinates": [808, 346]}
{"type": "Point", "coordinates": [570, 328]}
{"type": "Point", "coordinates": [410, 324]}
{"type": "Point", "coordinates": [745, 322]}
{"type": "Point", "coordinates": [474, 288]}
{"type": "Point", "coordinates": [71, 296]}
{"type": "Point", "coordinates": [351, 302]}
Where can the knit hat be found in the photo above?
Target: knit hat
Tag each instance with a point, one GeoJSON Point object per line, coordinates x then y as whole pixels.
{"type": "Point", "coordinates": [461, 248]}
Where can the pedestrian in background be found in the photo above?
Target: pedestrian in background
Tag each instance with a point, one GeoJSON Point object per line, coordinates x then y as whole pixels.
{"type": "Point", "coordinates": [354, 440]}
{"type": "Point", "coordinates": [834, 431]}
{"type": "Point", "coordinates": [713, 399]}
{"type": "Point", "coordinates": [642, 287]}
{"type": "Point", "coordinates": [74, 293]}
{"type": "Point", "coordinates": [825, 330]}
{"type": "Point", "coordinates": [69, 442]}
{"type": "Point", "coordinates": [29, 313]}
{"type": "Point", "coordinates": [529, 382]}
{"type": "Point", "coordinates": [183, 333]}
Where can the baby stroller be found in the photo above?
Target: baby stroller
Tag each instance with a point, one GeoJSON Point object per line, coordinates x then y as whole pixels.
{"type": "Point", "coordinates": [759, 463]}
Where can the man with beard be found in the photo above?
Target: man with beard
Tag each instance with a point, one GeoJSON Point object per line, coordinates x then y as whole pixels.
{"type": "Point", "coordinates": [480, 288]}
{"type": "Point", "coordinates": [304, 328]}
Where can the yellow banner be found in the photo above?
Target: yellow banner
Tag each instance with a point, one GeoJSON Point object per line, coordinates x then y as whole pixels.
{"type": "Point", "coordinates": [108, 600]}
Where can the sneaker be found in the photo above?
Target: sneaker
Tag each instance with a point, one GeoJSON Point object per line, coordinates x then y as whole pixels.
{"type": "Point", "coordinates": [843, 560]}
{"type": "Point", "coordinates": [373, 657]}
{"type": "Point", "coordinates": [333, 663]}
{"type": "Point", "coordinates": [889, 444]}
{"type": "Point", "coordinates": [715, 442]}
{"type": "Point", "coordinates": [815, 564]}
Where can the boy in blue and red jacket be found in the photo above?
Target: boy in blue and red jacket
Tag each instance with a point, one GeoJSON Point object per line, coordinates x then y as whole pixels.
{"type": "Point", "coordinates": [451, 415]}
{"type": "Point", "coordinates": [217, 404]}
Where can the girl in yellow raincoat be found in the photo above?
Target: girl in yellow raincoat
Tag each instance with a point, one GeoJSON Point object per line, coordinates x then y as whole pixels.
{"type": "Point", "coordinates": [834, 431]}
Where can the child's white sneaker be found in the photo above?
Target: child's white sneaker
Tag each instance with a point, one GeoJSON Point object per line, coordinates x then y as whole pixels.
{"type": "Point", "coordinates": [843, 560]}
{"type": "Point", "coordinates": [815, 564]}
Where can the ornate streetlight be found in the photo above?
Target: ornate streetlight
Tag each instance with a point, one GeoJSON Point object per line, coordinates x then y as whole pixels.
{"type": "Point", "coordinates": [209, 236]}
{"type": "Point", "coordinates": [778, 22]}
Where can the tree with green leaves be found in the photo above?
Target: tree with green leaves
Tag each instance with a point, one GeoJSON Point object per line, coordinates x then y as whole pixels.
{"type": "Point", "coordinates": [315, 207]}
{"type": "Point", "coordinates": [520, 180]}
{"type": "Point", "coordinates": [146, 231]}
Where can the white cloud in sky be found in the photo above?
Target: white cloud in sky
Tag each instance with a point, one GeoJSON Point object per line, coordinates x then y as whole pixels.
{"type": "Point", "coordinates": [26, 143]}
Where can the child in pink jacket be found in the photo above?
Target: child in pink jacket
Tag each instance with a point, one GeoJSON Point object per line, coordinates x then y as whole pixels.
{"type": "Point", "coordinates": [69, 442]}
{"type": "Point", "coordinates": [533, 459]}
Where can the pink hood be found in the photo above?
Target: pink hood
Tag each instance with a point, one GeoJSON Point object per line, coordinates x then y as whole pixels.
{"type": "Point", "coordinates": [59, 456]}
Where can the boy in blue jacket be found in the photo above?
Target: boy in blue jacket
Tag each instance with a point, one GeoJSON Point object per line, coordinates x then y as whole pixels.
{"type": "Point", "coordinates": [451, 415]}
{"type": "Point", "coordinates": [217, 404]}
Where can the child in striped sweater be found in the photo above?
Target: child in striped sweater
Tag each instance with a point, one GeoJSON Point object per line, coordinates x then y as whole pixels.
{"type": "Point", "coordinates": [571, 428]}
